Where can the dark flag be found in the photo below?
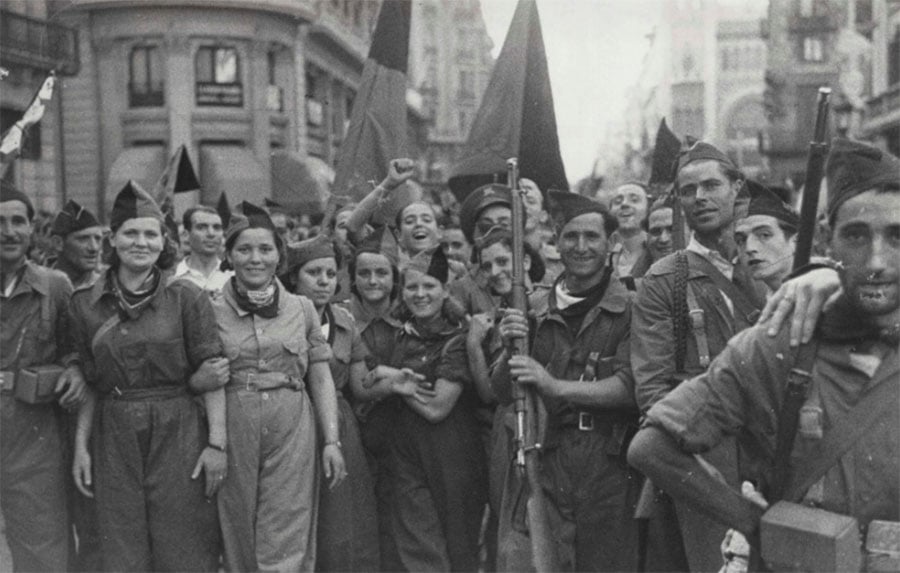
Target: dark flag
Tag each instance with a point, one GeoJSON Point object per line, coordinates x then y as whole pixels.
{"type": "Point", "coordinates": [178, 177]}
{"type": "Point", "coordinates": [224, 210]}
{"type": "Point", "coordinates": [665, 153]}
{"type": "Point", "coordinates": [377, 131]}
{"type": "Point", "coordinates": [516, 117]}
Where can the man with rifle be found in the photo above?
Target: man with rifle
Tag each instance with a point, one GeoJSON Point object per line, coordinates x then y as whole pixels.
{"type": "Point", "coordinates": [580, 370]}
{"type": "Point", "coordinates": [687, 307]}
{"type": "Point", "coordinates": [822, 420]}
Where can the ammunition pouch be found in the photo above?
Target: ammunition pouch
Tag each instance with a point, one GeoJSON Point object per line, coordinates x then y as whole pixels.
{"type": "Point", "coordinates": [32, 385]}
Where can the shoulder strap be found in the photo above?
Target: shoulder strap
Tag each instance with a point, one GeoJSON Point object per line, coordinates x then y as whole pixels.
{"type": "Point", "coordinates": [698, 324]}
{"type": "Point", "coordinates": [795, 393]}
{"type": "Point", "coordinates": [742, 301]}
{"type": "Point", "coordinates": [874, 407]}
{"type": "Point", "coordinates": [679, 310]}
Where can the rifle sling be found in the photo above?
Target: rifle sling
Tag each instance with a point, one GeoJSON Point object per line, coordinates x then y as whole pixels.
{"type": "Point", "coordinates": [740, 299]}
{"type": "Point", "coordinates": [795, 393]}
{"type": "Point", "coordinates": [877, 405]}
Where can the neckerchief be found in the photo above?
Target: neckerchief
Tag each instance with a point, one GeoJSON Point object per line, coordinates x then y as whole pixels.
{"type": "Point", "coordinates": [328, 324]}
{"type": "Point", "coordinates": [131, 303]}
{"type": "Point", "coordinates": [263, 302]}
{"type": "Point", "coordinates": [573, 307]}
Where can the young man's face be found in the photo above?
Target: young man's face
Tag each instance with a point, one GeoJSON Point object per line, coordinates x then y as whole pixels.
{"type": "Point", "coordinates": [455, 245]}
{"type": "Point", "coordinates": [866, 241]}
{"type": "Point", "coordinates": [764, 247]}
{"type": "Point", "coordinates": [82, 249]}
{"type": "Point", "coordinates": [707, 196]}
{"type": "Point", "coordinates": [629, 206]}
{"type": "Point", "coordinates": [583, 245]}
{"type": "Point", "coordinates": [490, 217]}
{"type": "Point", "coordinates": [15, 232]}
{"type": "Point", "coordinates": [205, 235]}
{"type": "Point", "coordinates": [659, 233]}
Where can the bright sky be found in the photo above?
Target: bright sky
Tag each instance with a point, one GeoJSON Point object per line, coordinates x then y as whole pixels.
{"type": "Point", "coordinates": [594, 52]}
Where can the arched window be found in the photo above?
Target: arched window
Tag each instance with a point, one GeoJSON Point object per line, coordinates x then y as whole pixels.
{"type": "Point", "coordinates": [145, 84]}
{"type": "Point", "coordinates": [217, 71]}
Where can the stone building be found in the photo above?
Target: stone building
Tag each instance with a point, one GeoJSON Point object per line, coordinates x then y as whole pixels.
{"type": "Point", "coordinates": [32, 44]}
{"type": "Point", "coordinates": [704, 72]}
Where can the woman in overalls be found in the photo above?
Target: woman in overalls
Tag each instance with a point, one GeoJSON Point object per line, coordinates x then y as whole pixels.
{"type": "Point", "coordinates": [272, 338]}
{"type": "Point", "coordinates": [140, 340]}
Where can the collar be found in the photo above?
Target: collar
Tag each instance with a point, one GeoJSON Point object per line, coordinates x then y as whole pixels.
{"type": "Point", "coordinates": [184, 268]}
{"type": "Point", "coordinates": [341, 317]}
{"type": "Point", "coordinates": [615, 299]}
{"type": "Point", "coordinates": [31, 280]}
{"type": "Point", "coordinates": [364, 317]}
{"type": "Point", "coordinates": [228, 294]}
{"type": "Point", "coordinates": [724, 266]}
{"type": "Point", "coordinates": [103, 287]}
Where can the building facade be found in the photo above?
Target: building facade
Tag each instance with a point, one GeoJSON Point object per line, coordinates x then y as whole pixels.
{"type": "Point", "coordinates": [450, 65]}
{"type": "Point", "coordinates": [881, 115]}
{"type": "Point", "coordinates": [704, 72]}
{"type": "Point", "coordinates": [814, 43]}
{"type": "Point", "coordinates": [32, 44]}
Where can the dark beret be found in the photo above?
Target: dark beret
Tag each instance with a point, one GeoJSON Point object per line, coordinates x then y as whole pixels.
{"type": "Point", "coordinates": [854, 167]}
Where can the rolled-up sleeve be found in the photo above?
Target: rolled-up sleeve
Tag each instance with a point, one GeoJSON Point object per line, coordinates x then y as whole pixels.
{"type": "Point", "coordinates": [319, 350]}
{"type": "Point", "coordinates": [201, 333]}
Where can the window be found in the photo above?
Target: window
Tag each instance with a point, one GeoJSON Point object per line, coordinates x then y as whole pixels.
{"type": "Point", "coordinates": [810, 8]}
{"type": "Point", "coordinates": [145, 85]}
{"type": "Point", "coordinates": [813, 49]}
{"type": "Point", "coordinates": [217, 71]}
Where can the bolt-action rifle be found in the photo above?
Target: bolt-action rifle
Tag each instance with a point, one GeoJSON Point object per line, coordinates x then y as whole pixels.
{"type": "Point", "coordinates": [528, 446]}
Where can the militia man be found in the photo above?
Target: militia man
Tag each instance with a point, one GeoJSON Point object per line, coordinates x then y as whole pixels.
{"type": "Point", "coordinates": [580, 369]}
{"type": "Point", "coordinates": [853, 389]}
{"type": "Point", "coordinates": [78, 239]}
{"type": "Point", "coordinates": [767, 236]}
{"type": "Point", "coordinates": [34, 349]}
{"type": "Point", "coordinates": [206, 237]}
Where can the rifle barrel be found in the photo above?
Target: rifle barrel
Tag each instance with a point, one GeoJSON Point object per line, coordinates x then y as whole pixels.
{"type": "Point", "coordinates": [815, 166]}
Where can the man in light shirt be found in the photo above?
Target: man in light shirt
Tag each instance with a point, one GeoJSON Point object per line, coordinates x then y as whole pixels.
{"type": "Point", "coordinates": [203, 226]}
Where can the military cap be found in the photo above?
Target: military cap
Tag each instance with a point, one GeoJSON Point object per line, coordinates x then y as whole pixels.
{"type": "Point", "coordinates": [250, 216]}
{"type": "Point", "coordinates": [702, 151]}
{"type": "Point", "coordinates": [764, 201]}
{"type": "Point", "coordinates": [9, 192]}
{"type": "Point", "coordinates": [381, 241]}
{"type": "Point", "coordinates": [319, 247]}
{"type": "Point", "coordinates": [565, 206]}
{"type": "Point", "coordinates": [133, 202]}
{"type": "Point", "coordinates": [854, 167]}
{"type": "Point", "coordinates": [479, 200]}
{"type": "Point", "coordinates": [432, 263]}
{"type": "Point", "coordinates": [73, 218]}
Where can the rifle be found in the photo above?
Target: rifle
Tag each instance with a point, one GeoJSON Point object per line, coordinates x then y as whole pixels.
{"type": "Point", "coordinates": [528, 447]}
{"type": "Point", "coordinates": [815, 167]}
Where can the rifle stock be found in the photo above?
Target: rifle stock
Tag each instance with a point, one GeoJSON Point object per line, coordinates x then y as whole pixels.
{"type": "Point", "coordinates": [815, 167]}
{"type": "Point", "coordinates": [528, 447]}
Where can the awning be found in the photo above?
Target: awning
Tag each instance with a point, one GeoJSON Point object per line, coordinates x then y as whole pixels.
{"type": "Point", "coordinates": [144, 164]}
{"type": "Point", "coordinates": [300, 183]}
{"type": "Point", "coordinates": [234, 170]}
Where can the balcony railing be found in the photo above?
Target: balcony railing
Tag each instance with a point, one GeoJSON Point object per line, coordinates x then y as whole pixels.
{"type": "Point", "coordinates": [146, 94]}
{"type": "Point", "coordinates": [38, 43]}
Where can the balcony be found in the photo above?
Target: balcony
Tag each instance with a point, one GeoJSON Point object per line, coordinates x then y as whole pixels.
{"type": "Point", "coordinates": [146, 94]}
{"type": "Point", "coordinates": [38, 44]}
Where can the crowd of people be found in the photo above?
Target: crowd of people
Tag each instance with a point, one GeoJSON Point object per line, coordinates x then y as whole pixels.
{"type": "Point", "coordinates": [265, 394]}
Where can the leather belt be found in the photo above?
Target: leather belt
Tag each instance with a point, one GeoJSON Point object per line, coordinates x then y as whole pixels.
{"type": "Point", "coordinates": [145, 394]}
{"type": "Point", "coordinates": [251, 381]}
{"type": "Point", "coordinates": [585, 422]}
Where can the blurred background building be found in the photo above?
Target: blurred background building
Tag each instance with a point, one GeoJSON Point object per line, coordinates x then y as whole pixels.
{"type": "Point", "coordinates": [260, 91]}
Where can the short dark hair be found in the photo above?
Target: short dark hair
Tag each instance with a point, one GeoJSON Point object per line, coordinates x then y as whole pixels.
{"type": "Point", "coordinates": [279, 245]}
{"type": "Point", "coordinates": [395, 274]}
{"type": "Point", "coordinates": [399, 216]}
{"type": "Point", "coordinates": [610, 223]}
{"type": "Point", "coordinates": [186, 220]}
